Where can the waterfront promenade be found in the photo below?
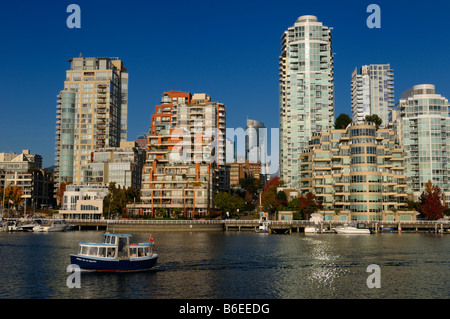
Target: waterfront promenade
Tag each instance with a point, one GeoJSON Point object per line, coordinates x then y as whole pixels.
{"type": "Point", "coordinates": [274, 227]}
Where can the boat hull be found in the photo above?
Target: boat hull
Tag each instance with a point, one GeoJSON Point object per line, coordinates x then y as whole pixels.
{"type": "Point", "coordinates": [113, 264]}
{"type": "Point", "coordinates": [310, 230]}
{"type": "Point", "coordinates": [351, 231]}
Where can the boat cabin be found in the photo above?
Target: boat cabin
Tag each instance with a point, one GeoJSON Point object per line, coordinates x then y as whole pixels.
{"type": "Point", "coordinates": [116, 246]}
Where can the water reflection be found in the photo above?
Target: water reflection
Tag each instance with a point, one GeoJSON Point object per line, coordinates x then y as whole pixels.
{"type": "Point", "coordinates": [235, 266]}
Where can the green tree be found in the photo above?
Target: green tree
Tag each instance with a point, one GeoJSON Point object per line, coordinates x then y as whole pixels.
{"type": "Point", "coordinates": [342, 121]}
{"type": "Point", "coordinates": [230, 203]}
{"type": "Point", "coordinates": [281, 196]}
{"type": "Point", "coordinates": [374, 119]}
{"type": "Point", "coordinates": [117, 199]}
{"type": "Point", "coordinates": [250, 184]}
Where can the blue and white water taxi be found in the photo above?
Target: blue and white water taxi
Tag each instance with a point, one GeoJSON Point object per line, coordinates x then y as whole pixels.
{"type": "Point", "coordinates": [115, 254]}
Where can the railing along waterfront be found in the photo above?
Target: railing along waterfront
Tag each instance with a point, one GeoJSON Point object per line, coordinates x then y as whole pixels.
{"type": "Point", "coordinates": [248, 221]}
{"type": "Point", "coordinates": [227, 224]}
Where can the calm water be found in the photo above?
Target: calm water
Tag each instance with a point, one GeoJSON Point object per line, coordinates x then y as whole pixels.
{"type": "Point", "coordinates": [216, 265]}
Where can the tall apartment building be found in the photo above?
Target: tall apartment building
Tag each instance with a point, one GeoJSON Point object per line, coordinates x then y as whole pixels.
{"type": "Point", "coordinates": [255, 141]}
{"type": "Point", "coordinates": [185, 156]}
{"type": "Point", "coordinates": [306, 91]}
{"type": "Point", "coordinates": [121, 165]}
{"type": "Point", "coordinates": [91, 113]}
{"type": "Point", "coordinates": [372, 92]}
{"type": "Point", "coordinates": [359, 170]}
{"type": "Point", "coordinates": [256, 146]}
{"type": "Point", "coordinates": [423, 121]}
{"type": "Point", "coordinates": [25, 171]}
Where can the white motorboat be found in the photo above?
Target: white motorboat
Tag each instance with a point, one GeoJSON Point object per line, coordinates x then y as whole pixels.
{"type": "Point", "coordinates": [360, 228]}
{"type": "Point", "coordinates": [310, 230]}
{"type": "Point", "coordinates": [263, 227]}
{"type": "Point", "coordinates": [11, 225]}
{"type": "Point", "coordinates": [52, 226]}
{"type": "Point", "coordinates": [29, 225]}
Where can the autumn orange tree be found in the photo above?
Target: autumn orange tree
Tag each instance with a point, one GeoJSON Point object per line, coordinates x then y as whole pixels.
{"type": "Point", "coordinates": [430, 202]}
{"type": "Point", "coordinates": [12, 195]}
{"type": "Point", "coordinates": [60, 191]}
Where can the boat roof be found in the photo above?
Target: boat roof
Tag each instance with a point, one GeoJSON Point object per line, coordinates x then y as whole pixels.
{"type": "Point", "coordinates": [117, 235]}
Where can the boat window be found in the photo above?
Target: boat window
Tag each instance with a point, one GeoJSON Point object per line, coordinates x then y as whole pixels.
{"type": "Point", "coordinates": [113, 240]}
{"type": "Point", "coordinates": [111, 252]}
{"type": "Point", "coordinates": [84, 250]}
{"type": "Point", "coordinates": [102, 251]}
{"type": "Point", "coordinates": [143, 251]}
{"type": "Point", "coordinates": [133, 252]}
{"type": "Point", "coordinates": [93, 251]}
{"type": "Point", "coordinates": [107, 239]}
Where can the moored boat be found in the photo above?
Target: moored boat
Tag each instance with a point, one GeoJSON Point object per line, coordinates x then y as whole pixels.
{"type": "Point", "coordinates": [53, 225]}
{"type": "Point", "coordinates": [11, 225]}
{"type": "Point", "coordinates": [263, 227]}
{"type": "Point", "coordinates": [310, 230]}
{"type": "Point", "coordinates": [360, 228]}
{"type": "Point", "coordinates": [29, 225]}
{"type": "Point", "coordinates": [115, 254]}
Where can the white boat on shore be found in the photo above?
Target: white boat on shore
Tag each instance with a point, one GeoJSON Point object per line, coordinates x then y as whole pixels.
{"type": "Point", "coordinates": [360, 228]}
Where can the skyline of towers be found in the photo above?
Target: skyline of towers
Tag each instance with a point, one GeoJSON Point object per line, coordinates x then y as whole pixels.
{"type": "Point", "coordinates": [91, 113]}
{"type": "Point", "coordinates": [372, 92]}
{"type": "Point", "coordinates": [306, 91]}
{"type": "Point", "coordinates": [93, 107]}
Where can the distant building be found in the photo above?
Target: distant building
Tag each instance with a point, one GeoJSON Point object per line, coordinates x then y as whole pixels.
{"type": "Point", "coordinates": [256, 146]}
{"type": "Point", "coordinates": [243, 170]}
{"type": "Point", "coordinates": [141, 141]}
{"type": "Point", "coordinates": [83, 202]}
{"type": "Point", "coordinates": [25, 171]}
{"type": "Point", "coordinates": [121, 165]}
{"type": "Point", "coordinates": [373, 92]}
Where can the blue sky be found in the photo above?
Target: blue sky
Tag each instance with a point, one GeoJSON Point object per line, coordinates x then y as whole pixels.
{"type": "Point", "coordinates": [227, 49]}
